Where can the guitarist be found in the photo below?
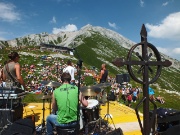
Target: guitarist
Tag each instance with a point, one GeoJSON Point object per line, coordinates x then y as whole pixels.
{"type": "Point", "coordinates": [12, 70]}
{"type": "Point", "coordinates": [103, 79]}
{"type": "Point", "coordinates": [103, 74]}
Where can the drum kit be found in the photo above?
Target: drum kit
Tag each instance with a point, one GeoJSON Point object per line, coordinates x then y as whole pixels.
{"type": "Point", "coordinates": [90, 119]}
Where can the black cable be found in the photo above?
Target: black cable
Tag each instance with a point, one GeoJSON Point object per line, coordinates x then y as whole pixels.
{"type": "Point", "coordinates": [66, 101]}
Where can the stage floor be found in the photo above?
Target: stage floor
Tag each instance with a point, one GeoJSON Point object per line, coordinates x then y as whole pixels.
{"type": "Point", "coordinates": [122, 116]}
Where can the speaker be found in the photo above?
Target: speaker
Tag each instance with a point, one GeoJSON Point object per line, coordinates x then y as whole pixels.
{"type": "Point", "coordinates": [111, 96]}
{"type": "Point", "coordinates": [119, 78]}
{"type": "Point", "coordinates": [20, 127]}
{"type": "Point", "coordinates": [168, 121]}
{"type": "Point", "coordinates": [10, 115]}
{"type": "Point", "coordinates": [126, 78]}
{"type": "Point", "coordinates": [171, 131]}
{"type": "Point", "coordinates": [117, 131]}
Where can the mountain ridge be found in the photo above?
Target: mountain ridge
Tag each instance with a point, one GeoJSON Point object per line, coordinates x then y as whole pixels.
{"type": "Point", "coordinates": [72, 40]}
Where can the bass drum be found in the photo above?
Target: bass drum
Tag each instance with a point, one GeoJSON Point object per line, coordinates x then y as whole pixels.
{"type": "Point", "coordinates": [91, 112]}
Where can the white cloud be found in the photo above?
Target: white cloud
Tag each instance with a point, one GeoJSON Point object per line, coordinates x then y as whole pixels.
{"type": "Point", "coordinates": [53, 20]}
{"type": "Point", "coordinates": [113, 25]}
{"type": "Point", "coordinates": [69, 27]}
{"type": "Point", "coordinates": [141, 3]}
{"type": "Point", "coordinates": [169, 28]}
{"type": "Point", "coordinates": [8, 12]}
{"type": "Point", "coordinates": [165, 3]}
{"type": "Point", "coordinates": [176, 51]}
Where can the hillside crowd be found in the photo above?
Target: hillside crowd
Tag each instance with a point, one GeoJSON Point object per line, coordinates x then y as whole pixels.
{"type": "Point", "coordinates": [34, 75]}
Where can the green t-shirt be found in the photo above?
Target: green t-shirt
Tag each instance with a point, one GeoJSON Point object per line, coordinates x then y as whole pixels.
{"type": "Point", "coordinates": [66, 97]}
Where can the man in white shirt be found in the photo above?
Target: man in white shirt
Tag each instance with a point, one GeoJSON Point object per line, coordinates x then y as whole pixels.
{"type": "Point", "coordinates": [70, 69]}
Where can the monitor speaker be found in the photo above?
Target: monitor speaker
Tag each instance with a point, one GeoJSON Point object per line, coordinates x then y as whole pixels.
{"type": "Point", "coordinates": [126, 78]}
{"type": "Point", "coordinates": [119, 78]}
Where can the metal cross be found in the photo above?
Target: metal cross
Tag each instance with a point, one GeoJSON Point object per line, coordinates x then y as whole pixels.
{"type": "Point", "coordinates": [145, 66]}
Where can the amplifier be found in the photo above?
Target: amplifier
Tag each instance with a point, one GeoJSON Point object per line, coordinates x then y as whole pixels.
{"type": "Point", "coordinates": [12, 103]}
{"type": "Point", "coordinates": [8, 116]}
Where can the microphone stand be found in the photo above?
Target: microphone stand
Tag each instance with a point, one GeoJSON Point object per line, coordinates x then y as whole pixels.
{"type": "Point", "coordinates": [79, 66]}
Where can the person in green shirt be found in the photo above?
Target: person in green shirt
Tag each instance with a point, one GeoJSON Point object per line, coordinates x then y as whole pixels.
{"type": "Point", "coordinates": [65, 102]}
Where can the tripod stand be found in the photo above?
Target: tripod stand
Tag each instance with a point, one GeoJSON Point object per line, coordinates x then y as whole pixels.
{"type": "Point", "coordinates": [108, 115]}
{"type": "Point", "coordinates": [102, 123]}
{"type": "Point", "coordinates": [41, 128]}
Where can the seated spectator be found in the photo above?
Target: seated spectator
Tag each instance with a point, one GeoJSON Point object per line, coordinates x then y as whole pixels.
{"type": "Point", "coordinates": [160, 99]}
{"type": "Point", "coordinates": [151, 94]}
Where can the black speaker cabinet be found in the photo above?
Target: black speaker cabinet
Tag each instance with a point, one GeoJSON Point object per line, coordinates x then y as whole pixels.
{"type": "Point", "coordinates": [111, 96]}
{"type": "Point", "coordinates": [117, 131]}
{"type": "Point", "coordinates": [168, 121]}
{"type": "Point", "coordinates": [171, 131]}
{"type": "Point", "coordinates": [126, 78]}
{"type": "Point", "coordinates": [119, 78]}
{"type": "Point", "coordinates": [10, 115]}
{"type": "Point", "coordinates": [20, 127]}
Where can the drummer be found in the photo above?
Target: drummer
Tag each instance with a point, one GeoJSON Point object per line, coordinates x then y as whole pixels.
{"type": "Point", "coordinates": [65, 102]}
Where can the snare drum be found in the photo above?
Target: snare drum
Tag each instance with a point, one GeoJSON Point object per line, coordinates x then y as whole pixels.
{"type": "Point", "coordinates": [91, 112]}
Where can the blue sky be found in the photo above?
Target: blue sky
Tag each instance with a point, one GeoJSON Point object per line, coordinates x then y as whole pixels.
{"type": "Point", "coordinates": [161, 17]}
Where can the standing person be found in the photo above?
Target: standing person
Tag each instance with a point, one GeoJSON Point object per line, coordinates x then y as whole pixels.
{"type": "Point", "coordinates": [65, 101]}
{"type": "Point", "coordinates": [12, 70]}
{"type": "Point", "coordinates": [117, 92]}
{"type": "Point", "coordinates": [103, 79]}
{"type": "Point", "coordinates": [123, 96]}
{"type": "Point", "coordinates": [138, 92]}
{"type": "Point", "coordinates": [129, 99]}
{"type": "Point", "coordinates": [3, 84]}
{"type": "Point", "coordinates": [134, 98]}
{"type": "Point", "coordinates": [103, 74]}
{"type": "Point", "coordinates": [71, 71]}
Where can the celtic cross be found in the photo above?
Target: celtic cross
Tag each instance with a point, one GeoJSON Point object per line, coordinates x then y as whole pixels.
{"type": "Point", "coordinates": [140, 56]}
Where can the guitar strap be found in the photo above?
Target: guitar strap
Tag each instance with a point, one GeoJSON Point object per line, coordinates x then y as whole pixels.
{"type": "Point", "coordinates": [13, 79]}
{"type": "Point", "coordinates": [7, 69]}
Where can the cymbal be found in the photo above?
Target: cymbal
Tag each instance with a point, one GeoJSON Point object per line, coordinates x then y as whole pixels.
{"type": "Point", "coordinates": [45, 82]}
{"type": "Point", "coordinates": [103, 85]}
{"type": "Point", "coordinates": [46, 97]}
{"type": "Point", "coordinates": [90, 90]}
{"type": "Point", "coordinates": [53, 84]}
